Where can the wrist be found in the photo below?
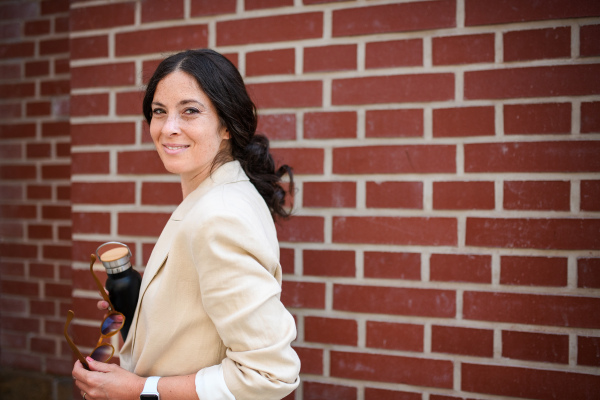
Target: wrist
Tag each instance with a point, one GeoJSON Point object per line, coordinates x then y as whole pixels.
{"type": "Point", "coordinates": [150, 390]}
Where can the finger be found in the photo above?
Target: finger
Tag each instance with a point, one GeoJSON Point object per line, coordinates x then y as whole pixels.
{"type": "Point", "coordinates": [98, 366]}
{"type": "Point", "coordinates": [102, 305]}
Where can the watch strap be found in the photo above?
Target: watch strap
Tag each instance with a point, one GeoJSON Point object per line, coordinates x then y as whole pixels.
{"type": "Point", "coordinates": [151, 387]}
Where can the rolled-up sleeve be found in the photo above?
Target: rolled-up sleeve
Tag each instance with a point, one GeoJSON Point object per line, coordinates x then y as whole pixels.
{"type": "Point", "coordinates": [237, 269]}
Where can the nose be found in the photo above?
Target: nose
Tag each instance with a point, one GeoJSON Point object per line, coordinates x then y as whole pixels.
{"type": "Point", "coordinates": [171, 125]}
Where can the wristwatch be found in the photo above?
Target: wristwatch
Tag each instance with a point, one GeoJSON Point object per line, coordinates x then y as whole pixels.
{"type": "Point", "coordinates": [150, 391]}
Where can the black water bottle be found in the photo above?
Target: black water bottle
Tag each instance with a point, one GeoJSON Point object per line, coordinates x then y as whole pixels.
{"type": "Point", "coordinates": [123, 282]}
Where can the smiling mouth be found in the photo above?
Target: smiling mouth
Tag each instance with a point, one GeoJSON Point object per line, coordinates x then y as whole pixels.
{"type": "Point", "coordinates": [176, 147]}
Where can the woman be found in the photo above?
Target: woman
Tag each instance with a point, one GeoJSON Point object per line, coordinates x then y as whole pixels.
{"type": "Point", "coordinates": [209, 321]}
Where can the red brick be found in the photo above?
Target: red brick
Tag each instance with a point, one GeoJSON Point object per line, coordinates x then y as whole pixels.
{"type": "Point", "coordinates": [286, 259]}
{"type": "Point", "coordinates": [12, 230]}
{"type": "Point", "coordinates": [56, 212]}
{"type": "Point", "coordinates": [18, 211]}
{"type": "Point", "coordinates": [20, 324]}
{"type": "Point", "coordinates": [463, 195]}
{"type": "Point", "coordinates": [329, 194]}
{"type": "Point", "coordinates": [486, 12]}
{"type": "Point", "coordinates": [83, 105]}
{"type": "Point", "coordinates": [536, 233]}
{"type": "Point", "coordinates": [37, 68]}
{"type": "Point", "coordinates": [301, 229]}
{"type": "Point", "coordinates": [161, 40]}
{"type": "Point", "coordinates": [395, 53]}
{"type": "Point", "coordinates": [588, 351]}
{"type": "Point", "coordinates": [63, 192]}
{"type": "Point", "coordinates": [277, 126]}
{"type": "Point", "coordinates": [38, 108]}
{"type": "Point", "coordinates": [38, 150]}
{"type": "Point", "coordinates": [532, 346]}
{"type": "Point", "coordinates": [537, 44]}
{"type": "Point", "coordinates": [590, 117]}
{"type": "Point", "coordinates": [89, 47]}
{"type": "Point", "coordinates": [395, 230]}
{"type": "Point", "coordinates": [464, 121]}
{"type": "Point", "coordinates": [384, 89]}
{"type": "Point", "coordinates": [90, 163]}
{"type": "Point", "coordinates": [546, 118]}
{"type": "Point", "coordinates": [54, 46]}
{"type": "Point", "coordinates": [303, 160]}
{"type": "Point", "coordinates": [64, 233]}
{"type": "Point", "coordinates": [384, 394]}
{"type": "Point", "coordinates": [464, 49]}
{"type": "Point", "coordinates": [96, 193]}
{"type": "Point", "coordinates": [17, 50]}
{"type": "Point", "coordinates": [303, 294]}
{"type": "Point", "coordinates": [392, 265]}
{"type": "Point", "coordinates": [394, 123]}
{"type": "Point", "coordinates": [61, 66]}
{"type": "Point", "coordinates": [270, 29]}
{"type": "Point", "coordinates": [533, 309]}
{"type": "Point", "coordinates": [394, 159]}
{"type": "Point", "coordinates": [55, 6]}
{"type": "Point", "coordinates": [318, 390]}
{"type": "Point", "coordinates": [461, 268]}
{"type": "Point", "coordinates": [161, 193]}
{"type": "Point", "coordinates": [91, 222]}
{"type": "Point", "coordinates": [394, 369]}
{"type": "Point", "coordinates": [160, 10]}
{"type": "Point", "coordinates": [331, 330]}
{"type": "Point", "coordinates": [103, 16]}
{"type": "Point", "coordinates": [43, 345]}
{"type": "Point", "coordinates": [528, 383]}
{"type": "Point", "coordinates": [17, 131]}
{"type": "Point", "coordinates": [56, 129]}
{"type": "Point", "coordinates": [211, 7]}
{"type": "Point", "coordinates": [588, 273]}
{"type": "Point", "coordinates": [588, 40]}
{"type": "Point", "coordinates": [113, 133]}
{"type": "Point", "coordinates": [415, 16]}
{"type": "Point", "coordinates": [63, 149]}
{"type": "Point", "coordinates": [311, 359]}
{"type": "Point", "coordinates": [38, 192]}
{"type": "Point", "coordinates": [12, 269]}
{"type": "Point", "coordinates": [329, 263]}
{"type": "Point", "coordinates": [394, 301]}
{"type": "Point", "coordinates": [55, 88]}
{"type": "Point", "coordinates": [62, 25]}
{"type": "Point", "coordinates": [533, 271]}
{"type": "Point", "coordinates": [537, 195]}
{"type": "Point", "coordinates": [17, 172]}
{"type": "Point", "coordinates": [395, 195]}
{"type": "Point", "coordinates": [330, 125]}
{"type": "Point", "coordinates": [39, 232]}
{"type": "Point", "coordinates": [116, 74]}
{"type": "Point", "coordinates": [557, 80]}
{"type": "Point", "coordinates": [12, 110]}
{"type": "Point", "coordinates": [287, 94]}
{"type": "Point", "coordinates": [37, 27]}
{"type": "Point", "coordinates": [270, 62]}
{"type": "Point", "coordinates": [330, 58]}
{"type": "Point", "coordinates": [260, 4]}
{"type": "Point", "coordinates": [26, 289]}
{"type": "Point", "coordinates": [142, 224]}
{"type": "Point", "coordinates": [57, 171]}
{"type": "Point", "coordinates": [42, 308]}
{"type": "Point", "coordinates": [464, 341]}
{"type": "Point", "coordinates": [575, 156]}
{"type": "Point", "coordinates": [139, 162]}
{"type": "Point", "coordinates": [17, 90]}
{"type": "Point", "coordinates": [394, 336]}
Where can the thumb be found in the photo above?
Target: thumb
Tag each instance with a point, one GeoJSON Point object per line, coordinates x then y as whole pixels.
{"type": "Point", "coordinates": [97, 365]}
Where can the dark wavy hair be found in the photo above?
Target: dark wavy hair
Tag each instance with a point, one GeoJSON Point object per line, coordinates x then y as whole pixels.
{"type": "Point", "coordinates": [222, 83]}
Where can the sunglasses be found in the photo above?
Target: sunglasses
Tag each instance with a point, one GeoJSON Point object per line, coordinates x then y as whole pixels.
{"type": "Point", "coordinates": [111, 325]}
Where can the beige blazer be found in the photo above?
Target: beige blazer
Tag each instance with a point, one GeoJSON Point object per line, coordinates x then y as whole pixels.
{"type": "Point", "coordinates": [211, 294]}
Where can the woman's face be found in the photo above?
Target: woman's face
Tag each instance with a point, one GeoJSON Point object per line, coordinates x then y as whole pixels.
{"type": "Point", "coordinates": [185, 127]}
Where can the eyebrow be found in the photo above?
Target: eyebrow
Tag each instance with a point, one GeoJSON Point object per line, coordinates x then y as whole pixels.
{"type": "Point", "coordinates": [181, 103]}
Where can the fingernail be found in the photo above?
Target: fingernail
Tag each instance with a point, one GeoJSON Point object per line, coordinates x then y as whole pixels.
{"type": "Point", "coordinates": [89, 359]}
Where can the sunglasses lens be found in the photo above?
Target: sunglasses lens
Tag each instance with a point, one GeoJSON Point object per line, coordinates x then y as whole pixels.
{"type": "Point", "coordinates": [112, 323]}
{"type": "Point", "coordinates": [102, 353]}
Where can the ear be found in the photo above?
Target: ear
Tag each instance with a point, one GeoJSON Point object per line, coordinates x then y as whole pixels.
{"type": "Point", "coordinates": [225, 135]}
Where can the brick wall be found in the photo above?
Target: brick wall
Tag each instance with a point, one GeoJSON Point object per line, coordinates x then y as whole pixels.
{"type": "Point", "coordinates": [446, 242]}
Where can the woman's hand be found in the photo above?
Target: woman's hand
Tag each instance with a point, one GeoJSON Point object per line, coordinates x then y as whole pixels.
{"type": "Point", "coordinates": [106, 381]}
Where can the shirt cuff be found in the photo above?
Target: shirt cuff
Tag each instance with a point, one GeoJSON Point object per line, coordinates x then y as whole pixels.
{"type": "Point", "coordinates": [210, 384]}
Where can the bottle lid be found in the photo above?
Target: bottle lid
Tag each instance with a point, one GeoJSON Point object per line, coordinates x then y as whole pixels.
{"type": "Point", "coordinates": [116, 259]}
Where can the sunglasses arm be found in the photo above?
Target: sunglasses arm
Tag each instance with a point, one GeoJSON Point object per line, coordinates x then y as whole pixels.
{"type": "Point", "coordinates": [99, 284]}
{"type": "Point", "coordinates": [74, 348]}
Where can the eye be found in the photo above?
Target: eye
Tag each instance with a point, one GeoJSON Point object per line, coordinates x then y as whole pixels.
{"type": "Point", "coordinates": [157, 111]}
{"type": "Point", "coordinates": [191, 111]}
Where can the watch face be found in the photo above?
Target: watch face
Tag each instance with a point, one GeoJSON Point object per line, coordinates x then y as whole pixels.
{"type": "Point", "coordinates": [148, 397]}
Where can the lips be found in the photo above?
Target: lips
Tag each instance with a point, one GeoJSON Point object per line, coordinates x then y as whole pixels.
{"type": "Point", "coordinates": [175, 148]}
